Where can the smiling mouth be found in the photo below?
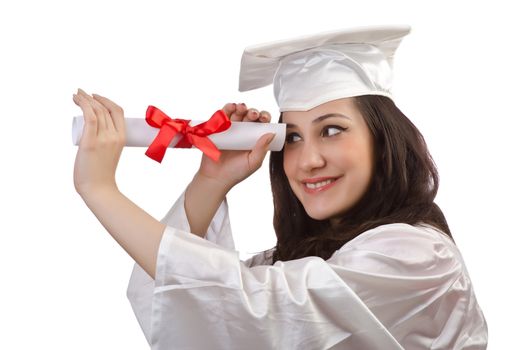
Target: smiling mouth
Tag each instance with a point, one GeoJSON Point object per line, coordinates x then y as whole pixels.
{"type": "Point", "coordinates": [319, 186]}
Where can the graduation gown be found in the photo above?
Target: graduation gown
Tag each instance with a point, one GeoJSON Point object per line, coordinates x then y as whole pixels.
{"type": "Point", "coordinates": [393, 287]}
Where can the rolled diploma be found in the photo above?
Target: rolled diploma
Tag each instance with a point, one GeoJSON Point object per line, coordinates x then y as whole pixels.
{"type": "Point", "coordinates": [240, 136]}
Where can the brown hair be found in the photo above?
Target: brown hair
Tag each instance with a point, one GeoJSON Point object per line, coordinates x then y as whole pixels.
{"type": "Point", "coordinates": [402, 189]}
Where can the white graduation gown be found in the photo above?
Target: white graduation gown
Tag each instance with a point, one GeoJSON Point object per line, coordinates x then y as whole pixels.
{"type": "Point", "coordinates": [394, 287]}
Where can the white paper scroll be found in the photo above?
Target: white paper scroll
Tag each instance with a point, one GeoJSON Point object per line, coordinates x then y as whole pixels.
{"type": "Point", "coordinates": [240, 136]}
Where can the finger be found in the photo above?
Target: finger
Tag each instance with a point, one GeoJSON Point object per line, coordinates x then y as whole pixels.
{"type": "Point", "coordinates": [265, 117]}
{"type": "Point", "coordinates": [101, 120]}
{"type": "Point", "coordinates": [239, 113]}
{"type": "Point", "coordinates": [258, 153]}
{"type": "Point", "coordinates": [106, 113]}
{"type": "Point", "coordinates": [90, 120]}
{"type": "Point", "coordinates": [229, 109]}
{"type": "Point", "coordinates": [116, 112]}
{"type": "Point", "coordinates": [88, 110]}
{"type": "Point", "coordinates": [252, 115]}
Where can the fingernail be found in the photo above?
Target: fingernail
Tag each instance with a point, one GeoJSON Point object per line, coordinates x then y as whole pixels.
{"type": "Point", "coordinates": [243, 104]}
{"type": "Point", "coordinates": [270, 139]}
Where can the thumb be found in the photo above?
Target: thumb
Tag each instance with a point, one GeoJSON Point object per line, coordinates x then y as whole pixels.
{"type": "Point", "coordinates": [258, 153]}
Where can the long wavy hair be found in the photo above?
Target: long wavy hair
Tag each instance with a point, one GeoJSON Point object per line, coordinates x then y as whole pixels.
{"type": "Point", "coordinates": [402, 189]}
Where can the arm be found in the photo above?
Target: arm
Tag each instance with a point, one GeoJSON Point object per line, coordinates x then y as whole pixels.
{"type": "Point", "coordinates": [202, 199]}
{"type": "Point", "coordinates": [100, 147]}
{"type": "Point", "coordinates": [214, 180]}
{"type": "Point", "coordinates": [136, 231]}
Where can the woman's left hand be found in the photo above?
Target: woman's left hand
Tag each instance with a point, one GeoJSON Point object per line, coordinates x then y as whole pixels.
{"type": "Point", "coordinates": [101, 143]}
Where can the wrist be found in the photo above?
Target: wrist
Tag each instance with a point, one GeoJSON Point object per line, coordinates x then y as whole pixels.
{"type": "Point", "coordinates": [212, 184]}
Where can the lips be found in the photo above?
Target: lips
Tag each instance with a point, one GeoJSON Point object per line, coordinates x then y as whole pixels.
{"type": "Point", "coordinates": [320, 184]}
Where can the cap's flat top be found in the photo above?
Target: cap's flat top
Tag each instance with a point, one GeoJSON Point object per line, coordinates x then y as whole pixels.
{"type": "Point", "coordinates": [368, 34]}
{"type": "Point", "coordinates": [259, 62]}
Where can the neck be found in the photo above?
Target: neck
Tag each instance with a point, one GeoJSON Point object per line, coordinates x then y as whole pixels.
{"type": "Point", "coordinates": [334, 221]}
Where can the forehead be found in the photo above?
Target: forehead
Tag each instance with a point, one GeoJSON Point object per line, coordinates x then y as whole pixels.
{"type": "Point", "coordinates": [344, 106]}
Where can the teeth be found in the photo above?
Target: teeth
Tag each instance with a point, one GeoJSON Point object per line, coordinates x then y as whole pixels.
{"type": "Point", "coordinates": [319, 184]}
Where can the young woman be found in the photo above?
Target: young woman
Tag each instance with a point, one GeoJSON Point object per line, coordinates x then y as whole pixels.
{"type": "Point", "coordinates": [364, 257]}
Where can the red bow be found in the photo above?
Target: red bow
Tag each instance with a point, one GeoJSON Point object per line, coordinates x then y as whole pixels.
{"type": "Point", "coordinates": [192, 135]}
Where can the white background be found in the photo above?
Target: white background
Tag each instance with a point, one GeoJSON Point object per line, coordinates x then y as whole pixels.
{"type": "Point", "coordinates": [460, 76]}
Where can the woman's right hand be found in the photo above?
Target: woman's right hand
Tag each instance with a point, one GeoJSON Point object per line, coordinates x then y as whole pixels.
{"type": "Point", "coordinates": [235, 166]}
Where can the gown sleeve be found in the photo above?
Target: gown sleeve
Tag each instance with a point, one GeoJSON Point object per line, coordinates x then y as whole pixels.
{"type": "Point", "coordinates": [141, 286]}
{"type": "Point", "coordinates": [394, 287]}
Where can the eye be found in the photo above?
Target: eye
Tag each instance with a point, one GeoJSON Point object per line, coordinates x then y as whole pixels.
{"type": "Point", "coordinates": [292, 137]}
{"type": "Point", "coordinates": [332, 130]}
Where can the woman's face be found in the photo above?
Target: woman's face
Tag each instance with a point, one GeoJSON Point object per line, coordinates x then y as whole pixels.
{"type": "Point", "coordinates": [328, 157]}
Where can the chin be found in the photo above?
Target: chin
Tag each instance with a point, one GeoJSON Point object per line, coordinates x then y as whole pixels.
{"type": "Point", "coordinates": [326, 213]}
{"type": "Point", "coordinates": [319, 215]}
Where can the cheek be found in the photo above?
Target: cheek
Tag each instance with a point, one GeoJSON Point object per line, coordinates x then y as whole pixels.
{"type": "Point", "coordinates": [366, 159]}
{"type": "Point", "coordinates": [288, 163]}
{"type": "Point", "coordinates": [368, 155]}
{"type": "Point", "coordinates": [358, 156]}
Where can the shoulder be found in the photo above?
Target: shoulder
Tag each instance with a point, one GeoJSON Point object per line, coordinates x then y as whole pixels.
{"type": "Point", "coordinates": [398, 234]}
{"type": "Point", "coordinates": [401, 248]}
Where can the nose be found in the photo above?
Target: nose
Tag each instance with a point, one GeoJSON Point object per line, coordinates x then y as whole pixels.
{"type": "Point", "coordinates": [310, 157]}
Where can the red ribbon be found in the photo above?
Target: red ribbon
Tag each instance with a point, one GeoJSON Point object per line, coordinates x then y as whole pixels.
{"type": "Point", "coordinates": [192, 135]}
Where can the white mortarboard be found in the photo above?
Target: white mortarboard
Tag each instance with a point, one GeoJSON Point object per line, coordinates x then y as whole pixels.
{"type": "Point", "coordinates": [311, 70]}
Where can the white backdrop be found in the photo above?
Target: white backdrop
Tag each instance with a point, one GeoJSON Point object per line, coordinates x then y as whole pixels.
{"type": "Point", "coordinates": [460, 76]}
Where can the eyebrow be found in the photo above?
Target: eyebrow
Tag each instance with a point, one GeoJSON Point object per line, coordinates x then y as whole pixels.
{"type": "Point", "coordinates": [321, 118]}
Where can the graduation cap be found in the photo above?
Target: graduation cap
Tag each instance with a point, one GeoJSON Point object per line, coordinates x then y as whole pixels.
{"type": "Point", "coordinates": [310, 70]}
